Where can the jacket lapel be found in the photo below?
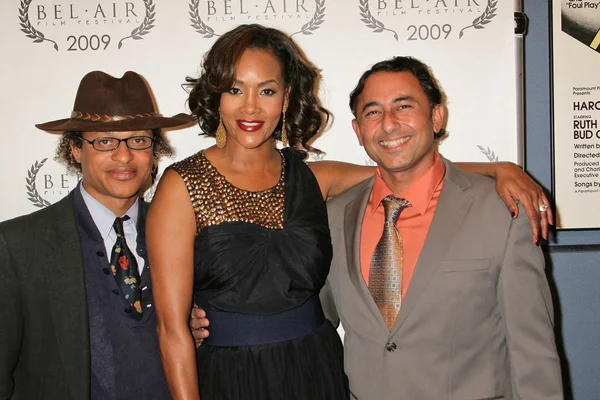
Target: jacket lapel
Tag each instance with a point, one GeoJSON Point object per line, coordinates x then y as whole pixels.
{"type": "Point", "coordinates": [353, 216]}
{"type": "Point", "coordinates": [452, 207]}
{"type": "Point", "coordinates": [67, 296]}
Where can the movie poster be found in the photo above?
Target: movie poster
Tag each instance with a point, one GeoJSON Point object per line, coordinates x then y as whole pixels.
{"type": "Point", "coordinates": [576, 111]}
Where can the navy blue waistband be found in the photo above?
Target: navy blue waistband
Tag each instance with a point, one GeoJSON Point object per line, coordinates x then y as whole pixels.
{"type": "Point", "coordinates": [235, 329]}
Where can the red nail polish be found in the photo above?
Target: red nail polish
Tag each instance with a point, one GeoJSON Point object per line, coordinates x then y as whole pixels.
{"type": "Point", "coordinates": [537, 242]}
{"type": "Point", "coordinates": [513, 214]}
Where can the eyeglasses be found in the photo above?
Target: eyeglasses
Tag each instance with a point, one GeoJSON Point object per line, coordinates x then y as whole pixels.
{"type": "Point", "coordinates": [111, 143]}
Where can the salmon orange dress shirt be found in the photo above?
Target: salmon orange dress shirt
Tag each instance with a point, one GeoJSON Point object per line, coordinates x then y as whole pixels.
{"type": "Point", "coordinates": [413, 223]}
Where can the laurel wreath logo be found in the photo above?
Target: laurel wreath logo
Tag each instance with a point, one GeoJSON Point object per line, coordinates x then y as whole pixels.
{"type": "Point", "coordinates": [145, 26]}
{"type": "Point", "coordinates": [315, 157]}
{"type": "Point", "coordinates": [197, 22]}
{"type": "Point", "coordinates": [149, 195]}
{"type": "Point", "coordinates": [370, 21]}
{"type": "Point", "coordinates": [488, 153]}
{"type": "Point", "coordinates": [27, 28]}
{"type": "Point", "coordinates": [315, 22]}
{"type": "Point", "coordinates": [483, 19]}
{"type": "Point", "coordinates": [32, 192]}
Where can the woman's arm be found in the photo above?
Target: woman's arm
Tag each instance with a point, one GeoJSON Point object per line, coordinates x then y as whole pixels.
{"type": "Point", "coordinates": [513, 185]}
{"type": "Point", "coordinates": [335, 177]}
{"type": "Point", "coordinates": [170, 234]}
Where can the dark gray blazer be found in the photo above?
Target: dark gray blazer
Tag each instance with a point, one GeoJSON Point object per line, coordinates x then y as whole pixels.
{"type": "Point", "coordinates": [477, 319]}
{"type": "Point", "coordinates": [44, 334]}
{"type": "Point", "coordinates": [45, 314]}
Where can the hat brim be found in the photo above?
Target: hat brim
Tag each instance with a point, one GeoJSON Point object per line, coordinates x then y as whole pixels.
{"type": "Point", "coordinates": [136, 124]}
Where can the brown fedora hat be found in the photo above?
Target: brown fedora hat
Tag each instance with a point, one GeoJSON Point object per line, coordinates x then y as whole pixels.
{"type": "Point", "coordinates": [104, 103]}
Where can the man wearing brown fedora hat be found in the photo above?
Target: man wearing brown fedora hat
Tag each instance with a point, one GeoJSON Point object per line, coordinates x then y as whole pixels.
{"type": "Point", "coordinates": [77, 315]}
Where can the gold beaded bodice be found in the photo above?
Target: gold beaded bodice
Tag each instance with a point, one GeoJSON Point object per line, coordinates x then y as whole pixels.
{"type": "Point", "coordinates": [215, 200]}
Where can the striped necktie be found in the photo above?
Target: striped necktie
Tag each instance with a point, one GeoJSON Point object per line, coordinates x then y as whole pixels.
{"type": "Point", "coordinates": [385, 274]}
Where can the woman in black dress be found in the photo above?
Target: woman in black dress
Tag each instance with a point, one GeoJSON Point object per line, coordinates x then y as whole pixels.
{"type": "Point", "coordinates": [241, 230]}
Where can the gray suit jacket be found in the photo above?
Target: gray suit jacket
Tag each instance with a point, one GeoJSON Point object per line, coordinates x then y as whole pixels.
{"type": "Point", "coordinates": [44, 334]}
{"type": "Point", "coordinates": [477, 319]}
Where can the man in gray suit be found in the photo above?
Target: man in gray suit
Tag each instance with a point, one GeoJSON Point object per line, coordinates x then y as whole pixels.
{"type": "Point", "coordinates": [76, 312]}
{"type": "Point", "coordinates": [441, 294]}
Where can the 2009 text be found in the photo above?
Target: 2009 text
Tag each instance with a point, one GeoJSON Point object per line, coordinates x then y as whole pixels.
{"type": "Point", "coordinates": [83, 42]}
{"type": "Point", "coordinates": [427, 32]}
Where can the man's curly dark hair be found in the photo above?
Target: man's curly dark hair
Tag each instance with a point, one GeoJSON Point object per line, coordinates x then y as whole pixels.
{"type": "Point", "coordinates": [305, 117]}
{"type": "Point", "coordinates": [161, 147]}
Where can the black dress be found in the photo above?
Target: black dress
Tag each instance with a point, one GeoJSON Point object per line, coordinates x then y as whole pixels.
{"type": "Point", "coordinates": [263, 253]}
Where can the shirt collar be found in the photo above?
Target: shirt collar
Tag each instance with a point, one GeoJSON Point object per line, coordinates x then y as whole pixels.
{"type": "Point", "coordinates": [102, 216]}
{"type": "Point", "coordinates": [419, 193]}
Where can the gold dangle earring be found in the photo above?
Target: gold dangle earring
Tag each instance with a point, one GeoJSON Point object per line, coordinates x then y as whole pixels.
{"type": "Point", "coordinates": [221, 134]}
{"type": "Point", "coordinates": [284, 138]}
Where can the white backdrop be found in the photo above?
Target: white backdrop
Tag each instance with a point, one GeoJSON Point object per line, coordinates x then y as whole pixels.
{"type": "Point", "coordinates": [48, 45]}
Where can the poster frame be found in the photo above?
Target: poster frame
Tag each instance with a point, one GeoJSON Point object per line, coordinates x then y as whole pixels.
{"type": "Point", "coordinates": [552, 105]}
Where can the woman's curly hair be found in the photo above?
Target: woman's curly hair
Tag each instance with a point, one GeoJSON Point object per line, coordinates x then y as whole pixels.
{"type": "Point", "coordinates": [63, 154]}
{"type": "Point", "coordinates": [305, 117]}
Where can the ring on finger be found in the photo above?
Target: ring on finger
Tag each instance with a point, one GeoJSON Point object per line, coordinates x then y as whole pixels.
{"type": "Point", "coordinates": [543, 208]}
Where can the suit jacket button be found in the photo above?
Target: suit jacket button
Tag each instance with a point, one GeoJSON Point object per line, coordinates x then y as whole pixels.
{"type": "Point", "coordinates": [390, 346]}
{"type": "Point", "coordinates": [115, 291]}
{"type": "Point", "coordinates": [106, 271]}
{"type": "Point", "coordinates": [128, 310]}
{"type": "Point", "coordinates": [100, 253]}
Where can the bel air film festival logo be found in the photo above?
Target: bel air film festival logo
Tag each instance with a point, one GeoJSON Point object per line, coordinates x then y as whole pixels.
{"type": "Point", "coordinates": [46, 184]}
{"type": "Point", "coordinates": [467, 16]}
{"type": "Point", "coordinates": [86, 25]}
{"type": "Point", "coordinates": [214, 17]}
